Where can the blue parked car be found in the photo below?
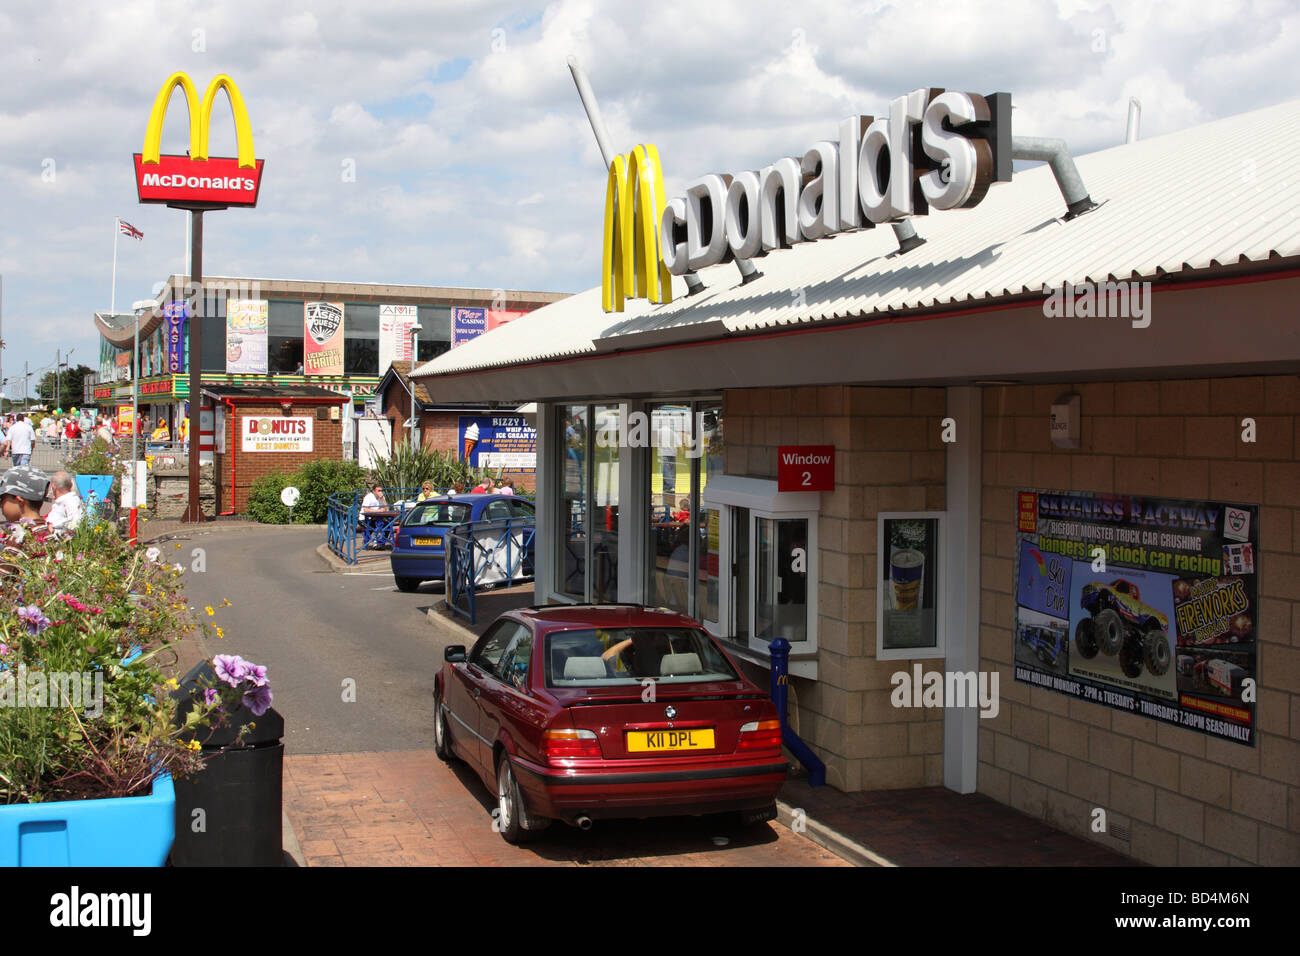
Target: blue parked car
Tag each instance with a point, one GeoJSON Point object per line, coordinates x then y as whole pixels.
{"type": "Point", "coordinates": [420, 551]}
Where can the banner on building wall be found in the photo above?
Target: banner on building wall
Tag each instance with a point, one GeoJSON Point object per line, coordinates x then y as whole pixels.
{"type": "Point", "coordinates": [125, 419]}
{"type": "Point", "coordinates": [497, 317]}
{"type": "Point", "coordinates": [322, 340]}
{"type": "Point", "coordinates": [246, 332]}
{"type": "Point", "coordinates": [174, 316]}
{"type": "Point", "coordinates": [498, 442]}
{"type": "Point", "coordinates": [1146, 605]}
{"type": "Point", "coordinates": [280, 433]}
{"type": "Point", "coordinates": [467, 324]}
{"type": "Point", "coordinates": [395, 324]}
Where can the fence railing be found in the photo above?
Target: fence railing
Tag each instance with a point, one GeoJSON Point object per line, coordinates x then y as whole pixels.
{"type": "Point", "coordinates": [343, 519]}
{"type": "Point", "coordinates": [486, 552]}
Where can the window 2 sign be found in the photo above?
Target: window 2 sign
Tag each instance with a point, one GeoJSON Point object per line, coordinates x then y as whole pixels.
{"type": "Point", "coordinates": [805, 468]}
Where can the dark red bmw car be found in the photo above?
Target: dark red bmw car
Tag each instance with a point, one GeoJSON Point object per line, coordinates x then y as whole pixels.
{"type": "Point", "coordinates": [575, 713]}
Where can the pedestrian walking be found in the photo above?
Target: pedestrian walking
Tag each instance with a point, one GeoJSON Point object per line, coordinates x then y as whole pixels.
{"type": "Point", "coordinates": [21, 439]}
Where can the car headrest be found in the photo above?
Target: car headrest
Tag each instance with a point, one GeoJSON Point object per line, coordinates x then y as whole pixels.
{"type": "Point", "coordinates": [583, 668]}
{"type": "Point", "coordinates": [672, 664]}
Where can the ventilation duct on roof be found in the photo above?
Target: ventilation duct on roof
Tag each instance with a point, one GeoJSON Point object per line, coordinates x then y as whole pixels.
{"type": "Point", "coordinates": [1134, 118]}
{"type": "Point", "coordinates": [1055, 153]}
{"type": "Point", "coordinates": [906, 235]}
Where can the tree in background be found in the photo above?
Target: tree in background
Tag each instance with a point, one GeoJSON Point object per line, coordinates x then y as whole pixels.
{"type": "Point", "coordinates": [69, 387]}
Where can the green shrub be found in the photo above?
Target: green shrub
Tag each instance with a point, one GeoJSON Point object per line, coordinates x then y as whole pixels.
{"type": "Point", "coordinates": [409, 467]}
{"type": "Point", "coordinates": [317, 480]}
{"type": "Point", "coordinates": [264, 502]}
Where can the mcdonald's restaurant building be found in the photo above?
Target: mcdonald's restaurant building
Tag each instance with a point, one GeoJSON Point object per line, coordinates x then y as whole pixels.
{"type": "Point", "coordinates": [1024, 498]}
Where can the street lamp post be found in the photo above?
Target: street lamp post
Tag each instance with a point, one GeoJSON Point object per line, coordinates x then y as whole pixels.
{"type": "Point", "coordinates": [137, 307]}
{"type": "Point", "coordinates": [412, 423]}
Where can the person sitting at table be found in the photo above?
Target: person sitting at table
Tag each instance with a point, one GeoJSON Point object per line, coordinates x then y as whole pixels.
{"type": "Point", "coordinates": [372, 507]}
{"type": "Point", "coordinates": [426, 492]}
{"type": "Point", "coordinates": [683, 514]}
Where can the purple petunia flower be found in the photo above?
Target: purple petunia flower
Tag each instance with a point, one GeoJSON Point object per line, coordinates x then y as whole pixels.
{"type": "Point", "coordinates": [210, 696]}
{"type": "Point", "coordinates": [4, 649]}
{"type": "Point", "coordinates": [230, 669]}
{"type": "Point", "coordinates": [33, 619]}
{"type": "Point", "coordinates": [255, 673]}
{"type": "Point", "coordinates": [258, 700]}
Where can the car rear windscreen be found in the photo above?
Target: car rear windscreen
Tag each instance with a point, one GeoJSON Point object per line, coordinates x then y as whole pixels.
{"type": "Point", "coordinates": [437, 513]}
{"type": "Point", "coordinates": [604, 657]}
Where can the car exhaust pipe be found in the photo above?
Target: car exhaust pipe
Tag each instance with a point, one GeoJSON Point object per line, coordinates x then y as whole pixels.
{"type": "Point", "coordinates": [583, 823]}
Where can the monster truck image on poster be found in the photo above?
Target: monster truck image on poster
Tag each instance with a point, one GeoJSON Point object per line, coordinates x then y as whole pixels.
{"type": "Point", "coordinates": [1121, 624]}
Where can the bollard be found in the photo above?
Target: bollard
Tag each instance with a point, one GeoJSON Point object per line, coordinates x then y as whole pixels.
{"type": "Point", "coordinates": [780, 650]}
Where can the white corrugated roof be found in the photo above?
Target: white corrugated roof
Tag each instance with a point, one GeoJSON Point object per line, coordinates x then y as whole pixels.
{"type": "Point", "coordinates": [1212, 195]}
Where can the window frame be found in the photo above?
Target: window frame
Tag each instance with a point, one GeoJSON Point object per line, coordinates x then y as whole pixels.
{"type": "Point", "coordinates": [939, 650]}
{"type": "Point", "coordinates": [763, 499]}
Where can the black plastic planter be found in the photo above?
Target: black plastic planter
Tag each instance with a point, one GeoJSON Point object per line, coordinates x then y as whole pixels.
{"type": "Point", "coordinates": [230, 814]}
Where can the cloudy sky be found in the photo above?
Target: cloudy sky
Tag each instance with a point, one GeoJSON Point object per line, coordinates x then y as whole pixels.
{"type": "Point", "coordinates": [443, 143]}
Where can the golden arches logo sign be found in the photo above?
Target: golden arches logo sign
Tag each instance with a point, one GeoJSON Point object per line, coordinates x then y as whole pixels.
{"type": "Point", "coordinates": [197, 180]}
{"type": "Point", "coordinates": [632, 266]}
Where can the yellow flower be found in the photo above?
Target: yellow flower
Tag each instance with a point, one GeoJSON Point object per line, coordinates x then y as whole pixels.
{"type": "Point", "coordinates": [211, 613]}
{"type": "Point", "coordinates": [170, 683]}
{"type": "Point", "coordinates": [226, 603]}
{"type": "Point", "coordinates": [220, 633]}
{"type": "Point", "coordinates": [194, 745]}
{"type": "Point", "coordinates": [178, 545]}
{"type": "Point", "coordinates": [148, 588]}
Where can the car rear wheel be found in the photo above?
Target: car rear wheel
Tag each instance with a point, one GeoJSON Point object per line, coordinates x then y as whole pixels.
{"type": "Point", "coordinates": [441, 745]}
{"type": "Point", "coordinates": [1108, 626]}
{"type": "Point", "coordinates": [511, 816]}
{"type": "Point", "coordinates": [1085, 639]}
{"type": "Point", "coordinates": [1156, 651]}
{"type": "Point", "coordinates": [407, 584]}
{"type": "Point", "coordinates": [1130, 656]}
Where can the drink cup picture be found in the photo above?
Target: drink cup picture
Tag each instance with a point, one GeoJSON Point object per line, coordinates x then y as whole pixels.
{"type": "Point", "coordinates": [906, 570]}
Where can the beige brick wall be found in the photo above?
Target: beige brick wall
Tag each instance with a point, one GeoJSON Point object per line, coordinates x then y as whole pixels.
{"type": "Point", "coordinates": [888, 457]}
{"type": "Point", "coordinates": [1187, 798]}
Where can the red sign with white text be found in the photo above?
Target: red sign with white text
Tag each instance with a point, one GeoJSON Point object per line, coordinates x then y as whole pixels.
{"type": "Point", "coordinates": [179, 180]}
{"type": "Point", "coordinates": [805, 468]}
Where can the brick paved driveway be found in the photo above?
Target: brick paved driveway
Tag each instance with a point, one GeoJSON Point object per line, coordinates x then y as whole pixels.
{"type": "Point", "coordinates": [407, 808]}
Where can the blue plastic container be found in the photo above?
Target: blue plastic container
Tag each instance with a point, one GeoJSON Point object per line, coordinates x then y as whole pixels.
{"type": "Point", "coordinates": [121, 831]}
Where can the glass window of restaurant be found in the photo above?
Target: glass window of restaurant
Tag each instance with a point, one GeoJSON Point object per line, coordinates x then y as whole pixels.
{"type": "Point", "coordinates": [587, 546]}
{"type": "Point", "coordinates": [685, 450]}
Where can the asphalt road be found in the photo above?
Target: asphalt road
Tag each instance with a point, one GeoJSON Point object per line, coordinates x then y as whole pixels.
{"type": "Point", "coordinates": [315, 630]}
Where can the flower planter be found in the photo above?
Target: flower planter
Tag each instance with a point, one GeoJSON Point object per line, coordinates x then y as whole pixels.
{"type": "Point", "coordinates": [122, 831]}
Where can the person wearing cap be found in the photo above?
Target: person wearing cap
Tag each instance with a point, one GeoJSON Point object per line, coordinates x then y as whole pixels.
{"type": "Point", "coordinates": [67, 510]}
{"type": "Point", "coordinates": [22, 492]}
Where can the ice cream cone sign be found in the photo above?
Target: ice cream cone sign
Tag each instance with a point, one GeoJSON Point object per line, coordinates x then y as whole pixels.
{"type": "Point", "coordinates": [471, 441]}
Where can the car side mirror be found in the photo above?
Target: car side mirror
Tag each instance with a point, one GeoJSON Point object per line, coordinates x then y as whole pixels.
{"type": "Point", "coordinates": [454, 654]}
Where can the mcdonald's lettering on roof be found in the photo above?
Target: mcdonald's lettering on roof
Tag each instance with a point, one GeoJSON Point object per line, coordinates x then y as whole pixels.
{"type": "Point", "coordinates": [197, 180]}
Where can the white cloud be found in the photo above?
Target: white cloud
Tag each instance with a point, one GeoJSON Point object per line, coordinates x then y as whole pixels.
{"type": "Point", "coordinates": [474, 162]}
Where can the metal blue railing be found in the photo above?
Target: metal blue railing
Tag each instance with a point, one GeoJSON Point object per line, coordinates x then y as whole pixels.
{"type": "Point", "coordinates": [344, 520]}
{"type": "Point", "coordinates": [486, 552]}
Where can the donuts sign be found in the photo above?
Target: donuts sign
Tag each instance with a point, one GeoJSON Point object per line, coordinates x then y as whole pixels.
{"type": "Point", "coordinates": [287, 434]}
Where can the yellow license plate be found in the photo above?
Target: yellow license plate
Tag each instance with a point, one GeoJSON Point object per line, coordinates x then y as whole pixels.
{"type": "Point", "coordinates": [644, 741]}
{"type": "Point", "coordinates": [426, 542]}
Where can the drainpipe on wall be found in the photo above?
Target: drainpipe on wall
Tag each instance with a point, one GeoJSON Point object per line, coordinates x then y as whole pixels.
{"type": "Point", "coordinates": [780, 649]}
{"type": "Point", "coordinates": [229, 424]}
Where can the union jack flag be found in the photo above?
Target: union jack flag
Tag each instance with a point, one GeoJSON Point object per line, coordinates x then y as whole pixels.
{"type": "Point", "coordinates": [129, 230]}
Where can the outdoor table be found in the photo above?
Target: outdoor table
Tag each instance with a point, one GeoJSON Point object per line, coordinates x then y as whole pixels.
{"type": "Point", "coordinates": [379, 526]}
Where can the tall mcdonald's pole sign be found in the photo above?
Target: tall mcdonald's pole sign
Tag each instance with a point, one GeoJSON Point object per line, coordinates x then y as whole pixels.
{"type": "Point", "coordinates": [197, 182]}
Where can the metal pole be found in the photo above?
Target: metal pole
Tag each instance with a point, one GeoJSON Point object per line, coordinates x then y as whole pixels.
{"type": "Point", "coordinates": [135, 429]}
{"type": "Point", "coordinates": [58, 392]}
{"type": "Point", "coordinates": [588, 97]}
{"type": "Point", "coordinates": [194, 512]}
{"type": "Point", "coordinates": [117, 228]}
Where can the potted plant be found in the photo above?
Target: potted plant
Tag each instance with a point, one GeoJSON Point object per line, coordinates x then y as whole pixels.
{"type": "Point", "coordinates": [89, 735]}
